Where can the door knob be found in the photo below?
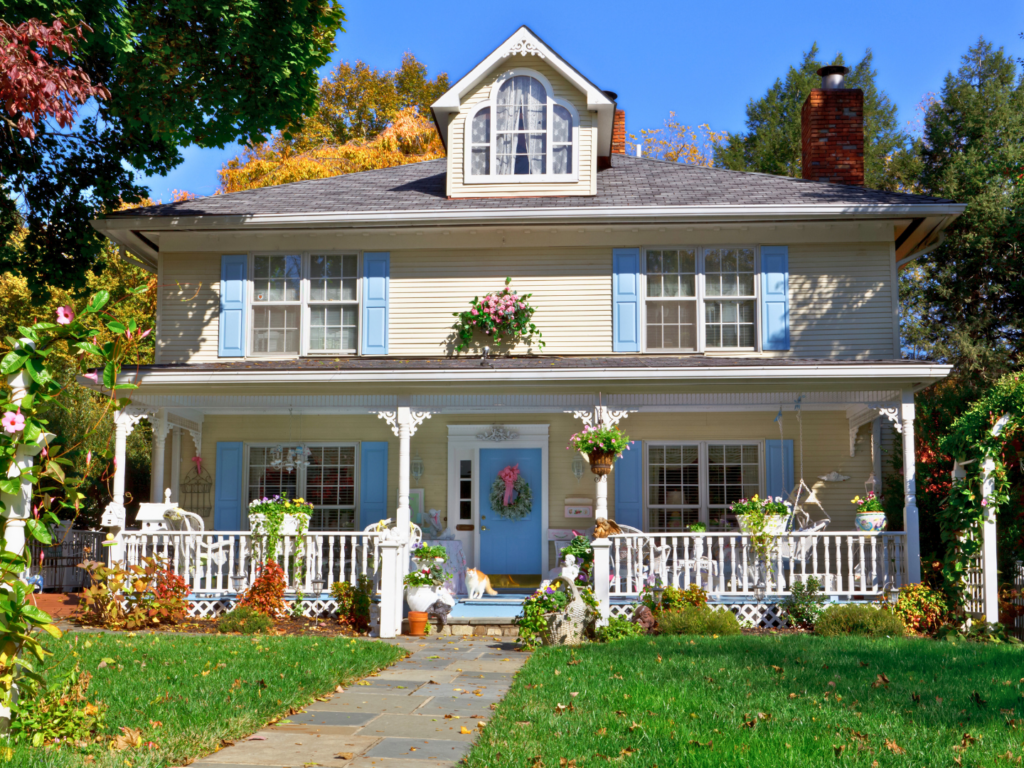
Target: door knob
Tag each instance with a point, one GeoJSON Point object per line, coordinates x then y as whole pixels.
{"type": "Point", "coordinates": [483, 517]}
{"type": "Point", "coordinates": [483, 528]}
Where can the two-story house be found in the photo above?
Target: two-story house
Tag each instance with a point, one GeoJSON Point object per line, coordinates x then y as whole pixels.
{"type": "Point", "coordinates": [694, 305]}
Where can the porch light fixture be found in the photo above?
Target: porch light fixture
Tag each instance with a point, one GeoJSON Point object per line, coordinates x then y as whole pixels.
{"type": "Point", "coordinates": [295, 457]}
{"type": "Point", "coordinates": [869, 485]}
{"type": "Point", "coordinates": [238, 580]}
{"type": "Point", "coordinates": [577, 467]}
{"type": "Point", "coordinates": [416, 467]}
{"type": "Point", "coordinates": [318, 586]}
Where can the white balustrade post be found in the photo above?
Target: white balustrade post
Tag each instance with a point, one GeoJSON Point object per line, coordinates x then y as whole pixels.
{"type": "Point", "coordinates": [911, 526]}
{"type": "Point", "coordinates": [989, 548]}
{"type": "Point", "coordinates": [601, 574]}
{"type": "Point", "coordinates": [390, 588]}
{"type": "Point", "coordinates": [156, 489]}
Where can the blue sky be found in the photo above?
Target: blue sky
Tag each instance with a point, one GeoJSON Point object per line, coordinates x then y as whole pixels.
{"type": "Point", "coordinates": [704, 61]}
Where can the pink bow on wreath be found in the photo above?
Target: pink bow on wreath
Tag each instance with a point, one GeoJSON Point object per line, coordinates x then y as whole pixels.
{"type": "Point", "coordinates": [509, 475]}
{"type": "Point", "coordinates": [198, 461]}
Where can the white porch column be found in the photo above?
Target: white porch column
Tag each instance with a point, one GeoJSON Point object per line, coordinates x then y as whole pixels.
{"type": "Point", "coordinates": [390, 588]}
{"type": "Point", "coordinates": [175, 463]}
{"type": "Point", "coordinates": [989, 544]}
{"type": "Point", "coordinates": [114, 513]}
{"type": "Point", "coordinates": [911, 525]}
{"type": "Point", "coordinates": [601, 490]}
{"type": "Point", "coordinates": [602, 550]}
{"type": "Point", "coordinates": [405, 430]}
{"type": "Point", "coordinates": [19, 506]}
{"type": "Point", "coordinates": [160, 426]}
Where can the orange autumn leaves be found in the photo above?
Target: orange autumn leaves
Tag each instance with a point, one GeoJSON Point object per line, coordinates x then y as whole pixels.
{"type": "Point", "coordinates": [365, 120]}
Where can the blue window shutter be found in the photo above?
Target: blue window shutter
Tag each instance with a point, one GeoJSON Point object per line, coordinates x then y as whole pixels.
{"type": "Point", "coordinates": [778, 467]}
{"type": "Point", "coordinates": [376, 290]}
{"type": "Point", "coordinates": [227, 503]}
{"type": "Point", "coordinates": [775, 297]}
{"type": "Point", "coordinates": [373, 483]}
{"type": "Point", "coordinates": [626, 300]}
{"type": "Point", "coordinates": [629, 487]}
{"type": "Point", "coordinates": [232, 306]}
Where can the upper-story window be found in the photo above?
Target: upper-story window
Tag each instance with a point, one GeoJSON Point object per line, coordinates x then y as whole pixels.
{"type": "Point", "coordinates": [305, 304]}
{"type": "Point", "coordinates": [700, 299]}
{"type": "Point", "coordinates": [523, 133]}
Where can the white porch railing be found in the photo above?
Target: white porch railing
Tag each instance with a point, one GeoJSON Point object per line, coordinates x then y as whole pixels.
{"type": "Point", "coordinates": [848, 565]}
{"type": "Point", "coordinates": [208, 560]}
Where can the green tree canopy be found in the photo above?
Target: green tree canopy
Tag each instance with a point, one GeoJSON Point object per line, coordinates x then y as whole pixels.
{"type": "Point", "coordinates": [772, 144]}
{"type": "Point", "coordinates": [971, 288]}
{"type": "Point", "coordinates": [179, 73]}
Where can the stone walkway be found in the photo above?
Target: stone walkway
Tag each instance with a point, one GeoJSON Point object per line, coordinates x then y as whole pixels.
{"type": "Point", "coordinates": [421, 713]}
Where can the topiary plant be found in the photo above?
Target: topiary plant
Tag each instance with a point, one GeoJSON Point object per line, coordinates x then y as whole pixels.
{"type": "Point", "coordinates": [859, 619]}
{"type": "Point", "coordinates": [246, 620]}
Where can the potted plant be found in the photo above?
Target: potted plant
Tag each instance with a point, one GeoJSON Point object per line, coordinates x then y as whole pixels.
{"type": "Point", "coordinates": [870, 516]}
{"type": "Point", "coordinates": [277, 516]}
{"type": "Point", "coordinates": [763, 516]}
{"type": "Point", "coordinates": [600, 446]}
{"type": "Point", "coordinates": [504, 318]}
{"type": "Point", "coordinates": [421, 584]}
{"type": "Point", "coordinates": [556, 615]}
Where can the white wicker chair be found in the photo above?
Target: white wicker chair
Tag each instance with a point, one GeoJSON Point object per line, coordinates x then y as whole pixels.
{"type": "Point", "coordinates": [415, 539]}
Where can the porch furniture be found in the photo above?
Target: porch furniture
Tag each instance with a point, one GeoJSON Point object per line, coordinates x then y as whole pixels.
{"type": "Point", "coordinates": [380, 528]}
{"type": "Point", "coordinates": [455, 568]}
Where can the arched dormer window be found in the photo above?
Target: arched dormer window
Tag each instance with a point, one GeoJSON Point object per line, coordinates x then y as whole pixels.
{"type": "Point", "coordinates": [522, 134]}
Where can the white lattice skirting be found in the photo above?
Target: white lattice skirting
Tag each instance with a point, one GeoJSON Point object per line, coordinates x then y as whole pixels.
{"type": "Point", "coordinates": [211, 608]}
{"type": "Point", "coordinates": [749, 614]}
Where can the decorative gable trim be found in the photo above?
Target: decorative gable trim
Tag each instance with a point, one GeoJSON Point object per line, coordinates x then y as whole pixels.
{"type": "Point", "coordinates": [524, 41]}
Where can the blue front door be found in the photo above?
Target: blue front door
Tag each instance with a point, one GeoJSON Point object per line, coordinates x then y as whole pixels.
{"type": "Point", "coordinates": [510, 546]}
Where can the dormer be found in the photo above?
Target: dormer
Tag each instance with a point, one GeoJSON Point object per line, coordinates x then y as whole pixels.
{"type": "Point", "coordinates": [524, 123]}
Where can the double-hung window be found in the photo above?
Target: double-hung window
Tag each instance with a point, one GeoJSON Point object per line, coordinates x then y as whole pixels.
{"type": "Point", "coordinates": [696, 482]}
{"type": "Point", "coordinates": [328, 482]}
{"type": "Point", "coordinates": [700, 299]}
{"type": "Point", "coordinates": [305, 304]}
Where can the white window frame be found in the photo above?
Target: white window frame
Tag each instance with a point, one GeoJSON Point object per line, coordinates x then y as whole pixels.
{"type": "Point", "coordinates": [492, 103]}
{"type": "Point", "coordinates": [704, 512]}
{"type": "Point", "coordinates": [700, 299]}
{"type": "Point", "coordinates": [300, 476]}
{"type": "Point", "coordinates": [305, 313]}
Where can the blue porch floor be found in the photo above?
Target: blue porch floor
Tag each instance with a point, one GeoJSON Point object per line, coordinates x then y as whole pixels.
{"type": "Point", "coordinates": [508, 605]}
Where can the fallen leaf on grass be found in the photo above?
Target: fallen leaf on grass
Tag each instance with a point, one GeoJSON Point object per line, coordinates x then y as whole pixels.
{"type": "Point", "coordinates": [839, 749]}
{"type": "Point", "coordinates": [129, 739]}
{"type": "Point", "coordinates": [537, 762]}
{"type": "Point", "coordinates": [895, 748]}
{"type": "Point", "coordinates": [602, 731]}
{"type": "Point", "coordinates": [566, 763]}
{"type": "Point", "coordinates": [978, 701]}
{"type": "Point", "coordinates": [560, 708]}
{"type": "Point", "coordinates": [880, 681]}
{"type": "Point", "coordinates": [708, 745]}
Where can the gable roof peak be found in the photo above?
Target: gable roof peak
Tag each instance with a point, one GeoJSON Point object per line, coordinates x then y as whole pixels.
{"type": "Point", "coordinates": [525, 42]}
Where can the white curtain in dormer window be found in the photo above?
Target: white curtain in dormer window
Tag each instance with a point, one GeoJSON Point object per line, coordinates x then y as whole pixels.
{"type": "Point", "coordinates": [561, 140]}
{"type": "Point", "coordinates": [521, 141]}
{"type": "Point", "coordinates": [480, 139]}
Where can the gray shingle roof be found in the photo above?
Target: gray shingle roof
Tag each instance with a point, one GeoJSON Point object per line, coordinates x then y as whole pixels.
{"type": "Point", "coordinates": [630, 182]}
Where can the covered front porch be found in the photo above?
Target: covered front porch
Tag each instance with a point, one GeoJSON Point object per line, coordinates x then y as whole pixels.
{"type": "Point", "coordinates": [391, 457]}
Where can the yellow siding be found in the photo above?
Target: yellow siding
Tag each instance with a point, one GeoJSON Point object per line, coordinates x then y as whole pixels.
{"type": "Point", "coordinates": [586, 154]}
{"type": "Point", "coordinates": [840, 300]}
{"type": "Point", "coordinates": [571, 290]}
{"type": "Point", "coordinates": [189, 305]}
{"type": "Point", "coordinates": [825, 434]}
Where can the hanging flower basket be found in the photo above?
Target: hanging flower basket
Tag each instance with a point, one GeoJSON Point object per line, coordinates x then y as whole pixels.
{"type": "Point", "coordinates": [601, 462]}
{"type": "Point", "coordinates": [601, 446]}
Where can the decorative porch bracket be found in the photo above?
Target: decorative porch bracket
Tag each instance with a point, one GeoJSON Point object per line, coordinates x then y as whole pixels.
{"type": "Point", "coordinates": [601, 416]}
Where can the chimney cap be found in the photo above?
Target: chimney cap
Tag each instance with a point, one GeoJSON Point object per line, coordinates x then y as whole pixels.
{"type": "Point", "coordinates": [611, 95]}
{"type": "Point", "coordinates": [832, 76]}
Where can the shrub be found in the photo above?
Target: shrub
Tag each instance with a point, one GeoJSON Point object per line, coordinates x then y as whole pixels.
{"type": "Point", "coordinates": [63, 714]}
{"type": "Point", "coordinates": [673, 598]}
{"type": "Point", "coordinates": [693, 620]}
{"type": "Point", "coordinates": [246, 620]}
{"type": "Point", "coordinates": [921, 608]}
{"type": "Point", "coordinates": [804, 604]}
{"type": "Point", "coordinates": [354, 603]}
{"type": "Point", "coordinates": [532, 623]}
{"type": "Point", "coordinates": [266, 594]}
{"type": "Point", "coordinates": [617, 629]}
{"type": "Point", "coordinates": [141, 596]}
{"type": "Point", "coordinates": [859, 619]}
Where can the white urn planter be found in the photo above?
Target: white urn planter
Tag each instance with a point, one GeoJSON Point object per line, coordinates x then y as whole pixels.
{"type": "Point", "coordinates": [420, 598]}
{"type": "Point", "coordinates": [775, 525]}
{"type": "Point", "coordinates": [289, 525]}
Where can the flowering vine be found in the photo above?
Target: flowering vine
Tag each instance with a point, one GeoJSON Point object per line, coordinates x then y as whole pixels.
{"type": "Point", "coordinates": [506, 316]}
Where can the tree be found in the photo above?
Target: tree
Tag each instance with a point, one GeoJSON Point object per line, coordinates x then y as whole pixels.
{"type": "Point", "coordinates": [364, 119]}
{"type": "Point", "coordinates": [972, 151]}
{"type": "Point", "coordinates": [178, 73]}
{"type": "Point", "coordinates": [678, 143]}
{"type": "Point", "coordinates": [772, 141]}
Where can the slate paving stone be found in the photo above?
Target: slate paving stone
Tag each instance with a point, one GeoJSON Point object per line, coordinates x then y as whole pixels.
{"type": "Point", "coordinates": [331, 717]}
{"type": "Point", "coordinates": [357, 701]}
{"type": "Point", "coordinates": [419, 727]}
{"type": "Point", "coordinates": [424, 675]}
{"type": "Point", "coordinates": [390, 685]}
{"type": "Point", "coordinates": [487, 666]}
{"type": "Point", "coordinates": [440, 707]}
{"type": "Point", "coordinates": [488, 678]}
{"type": "Point", "coordinates": [419, 749]}
{"type": "Point", "coordinates": [385, 762]}
{"type": "Point", "coordinates": [281, 748]}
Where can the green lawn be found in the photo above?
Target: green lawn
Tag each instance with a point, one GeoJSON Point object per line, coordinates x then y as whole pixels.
{"type": "Point", "coordinates": [762, 701]}
{"type": "Point", "coordinates": [200, 689]}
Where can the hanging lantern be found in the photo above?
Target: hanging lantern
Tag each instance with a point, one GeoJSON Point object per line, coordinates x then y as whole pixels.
{"type": "Point", "coordinates": [869, 485]}
{"type": "Point", "coordinates": [416, 467]}
{"type": "Point", "coordinates": [578, 468]}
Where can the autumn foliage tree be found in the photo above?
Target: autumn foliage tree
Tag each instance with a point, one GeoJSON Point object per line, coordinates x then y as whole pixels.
{"type": "Point", "coordinates": [678, 143]}
{"type": "Point", "coordinates": [365, 119]}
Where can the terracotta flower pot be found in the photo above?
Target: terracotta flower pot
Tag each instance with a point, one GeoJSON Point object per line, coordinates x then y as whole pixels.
{"type": "Point", "coordinates": [601, 462]}
{"type": "Point", "coordinates": [417, 623]}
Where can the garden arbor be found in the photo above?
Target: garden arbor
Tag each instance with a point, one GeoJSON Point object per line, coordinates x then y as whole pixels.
{"type": "Point", "coordinates": [981, 487]}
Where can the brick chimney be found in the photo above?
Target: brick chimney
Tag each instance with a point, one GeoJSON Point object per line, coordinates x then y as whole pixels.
{"type": "Point", "coordinates": [832, 130]}
{"type": "Point", "coordinates": [619, 133]}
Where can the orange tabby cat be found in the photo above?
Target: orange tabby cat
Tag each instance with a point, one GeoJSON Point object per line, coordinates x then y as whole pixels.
{"type": "Point", "coordinates": [477, 583]}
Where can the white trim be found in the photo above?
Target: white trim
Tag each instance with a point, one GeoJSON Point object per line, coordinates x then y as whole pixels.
{"type": "Point", "coordinates": [119, 227]}
{"type": "Point", "coordinates": [492, 103]}
{"type": "Point", "coordinates": [891, 375]}
{"type": "Point", "coordinates": [894, 284]}
{"type": "Point", "coordinates": [461, 436]}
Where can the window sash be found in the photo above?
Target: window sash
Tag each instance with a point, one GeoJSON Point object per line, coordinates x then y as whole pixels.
{"type": "Point", "coordinates": [672, 510]}
{"type": "Point", "coordinates": [682, 310]}
{"type": "Point", "coordinates": [334, 313]}
{"type": "Point", "coordinates": [325, 517]}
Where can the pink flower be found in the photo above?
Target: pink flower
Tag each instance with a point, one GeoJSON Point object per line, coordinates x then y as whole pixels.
{"type": "Point", "coordinates": [93, 376]}
{"type": "Point", "coordinates": [65, 315]}
{"type": "Point", "coordinates": [88, 458]}
{"type": "Point", "coordinates": [984, 502]}
{"type": "Point", "coordinates": [144, 334]}
{"type": "Point", "coordinates": [474, 313]}
{"type": "Point", "coordinates": [13, 422]}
